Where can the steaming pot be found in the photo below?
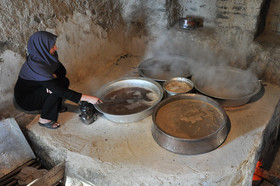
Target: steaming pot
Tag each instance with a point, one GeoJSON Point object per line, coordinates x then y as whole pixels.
{"type": "Point", "coordinates": [229, 86]}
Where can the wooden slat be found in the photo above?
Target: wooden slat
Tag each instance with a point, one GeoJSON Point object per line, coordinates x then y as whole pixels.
{"type": "Point", "coordinates": [14, 182]}
{"type": "Point", "coordinates": [5, 179]}
{"type": "Point", "coordinates": [52, 177]}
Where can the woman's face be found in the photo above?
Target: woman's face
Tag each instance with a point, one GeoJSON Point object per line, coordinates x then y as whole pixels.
{"type": "Point", "coordinates": [53, 49]}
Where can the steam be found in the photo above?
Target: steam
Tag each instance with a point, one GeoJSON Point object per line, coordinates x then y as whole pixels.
{"type": "Point", "coordinates": [210, 62]}
{"type": "Point", "coordinates": [165, 67]}
{"type": "Point", "coordinates": [227, 82]}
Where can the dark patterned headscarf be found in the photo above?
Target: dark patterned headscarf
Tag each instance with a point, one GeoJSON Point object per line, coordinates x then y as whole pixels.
{"type": "Point", "coordinates": [40, 64]}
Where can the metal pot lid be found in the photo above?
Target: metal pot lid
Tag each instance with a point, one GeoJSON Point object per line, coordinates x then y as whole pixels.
{"type": "Point", "coordinates": [162, 69]}
{"type": "Point", "coordinates": [226, 83]}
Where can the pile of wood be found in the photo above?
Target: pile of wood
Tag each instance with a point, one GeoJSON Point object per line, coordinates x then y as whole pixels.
{"type": "Point", "coordinates": [32, 173]}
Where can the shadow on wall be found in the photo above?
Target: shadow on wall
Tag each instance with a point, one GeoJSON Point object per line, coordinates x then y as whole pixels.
{"type": "Point", "coordinates": [85, 47]}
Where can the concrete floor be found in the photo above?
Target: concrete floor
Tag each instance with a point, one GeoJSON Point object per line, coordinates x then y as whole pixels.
{"type": "Point", "coordinates": [126, 154]}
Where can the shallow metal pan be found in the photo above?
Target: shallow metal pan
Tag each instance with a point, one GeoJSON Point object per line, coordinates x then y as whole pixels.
{"type": "Point", "coordinates": [162, 69]}
{"type": "Point", "coordinates": [230, 86]}
{"type": "Point", "coordinates": [140, 82]}
{"type": "Point", "coordinates": [172, 130]}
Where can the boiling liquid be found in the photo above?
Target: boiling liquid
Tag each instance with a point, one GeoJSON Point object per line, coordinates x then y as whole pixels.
{"type": "Point", "coordinates": [189, 119]}
{"type": "Point", "coordinates": [129, 100]}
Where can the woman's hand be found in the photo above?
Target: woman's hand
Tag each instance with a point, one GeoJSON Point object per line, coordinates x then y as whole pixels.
{"type": "Point", "coordinates": [91, 99]}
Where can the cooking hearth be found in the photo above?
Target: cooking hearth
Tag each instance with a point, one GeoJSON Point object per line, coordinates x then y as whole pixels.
{"type": "Point", "coordinates": [102, 41]}
{"type": "Point", "coordinates": [126, 153]}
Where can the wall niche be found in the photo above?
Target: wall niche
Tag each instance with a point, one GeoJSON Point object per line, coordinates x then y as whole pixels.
{"type": "Point", "coordinates": [268, 31]}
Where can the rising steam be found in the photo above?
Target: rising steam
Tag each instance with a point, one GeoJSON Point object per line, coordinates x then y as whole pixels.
{"type": "Point", "coordinates": [209, 62]}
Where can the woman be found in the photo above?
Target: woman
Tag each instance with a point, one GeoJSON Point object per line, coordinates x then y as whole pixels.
{"type": "Point", "coordinates": [42, 82]}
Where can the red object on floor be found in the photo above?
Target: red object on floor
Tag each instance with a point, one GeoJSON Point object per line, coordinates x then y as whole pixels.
{"type": "Point", "coordinates": [255, 176]}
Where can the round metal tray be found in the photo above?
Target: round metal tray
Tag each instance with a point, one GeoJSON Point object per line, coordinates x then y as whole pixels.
{"type": "Point", "coordinates": [229, 86]}
{"type": "Point", "coordinates": [128, 82]}
{"type": "Point", "coordinates": [162, 69]}
{"type": "Point", "coordinates": [189, 124]}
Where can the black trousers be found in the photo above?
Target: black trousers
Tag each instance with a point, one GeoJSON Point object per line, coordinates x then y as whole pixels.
{"type": "Point", "coordinates": [39, 99]}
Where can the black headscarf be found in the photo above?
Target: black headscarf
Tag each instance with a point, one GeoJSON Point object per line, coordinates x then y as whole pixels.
{"type": "Point", "coordinates": [40, 64]}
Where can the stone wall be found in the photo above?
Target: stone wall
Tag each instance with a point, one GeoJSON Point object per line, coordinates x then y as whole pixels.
{"type": "Point", "coordinates": [203, 9]}
{"type": "Point", "coordinates": [239, 16]}
{"type": "Point", "coordinates": [90, 34]}
{"type": "Point", "coordinates": [93, 34]}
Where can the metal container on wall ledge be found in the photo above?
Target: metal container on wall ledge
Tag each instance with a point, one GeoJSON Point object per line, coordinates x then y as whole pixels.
{"type": "Point", "coordinates": [190, 23]}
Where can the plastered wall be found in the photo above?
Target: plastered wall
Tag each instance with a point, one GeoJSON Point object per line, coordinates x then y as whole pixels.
{"type": "Point", "coordinates": [92, 34]}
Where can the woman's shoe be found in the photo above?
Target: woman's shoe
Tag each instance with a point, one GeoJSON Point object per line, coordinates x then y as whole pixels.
{"type": "Point", "coordinates": [50, 125]}
{"type": "Point", "coordinates": [63, 109]}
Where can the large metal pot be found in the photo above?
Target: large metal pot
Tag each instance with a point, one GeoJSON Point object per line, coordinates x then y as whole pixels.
{"type": "Point", "coordinates": [229, 86]}
{"type": "Point", "coordinates": [118, 84]}
{"type": "Point", "coordinates": [174, 117]}
{"type": "Point", "coordinates": [161, 69]}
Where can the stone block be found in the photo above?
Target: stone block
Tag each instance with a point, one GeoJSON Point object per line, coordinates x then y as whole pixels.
{"type": "Point", "coordinates": [14, 148]}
